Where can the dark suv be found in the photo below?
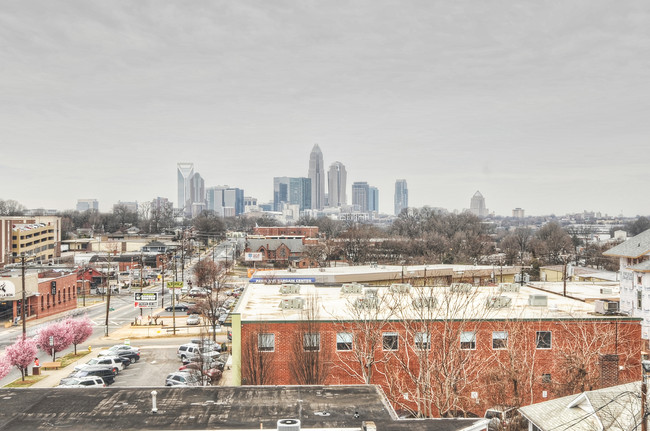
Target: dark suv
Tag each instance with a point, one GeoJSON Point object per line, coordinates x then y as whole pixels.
{"type": "Point", "coordinates": [105, 373]}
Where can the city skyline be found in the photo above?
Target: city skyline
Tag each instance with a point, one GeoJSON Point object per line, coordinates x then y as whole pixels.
{"type": "Point", "coordinates": [539, 106]}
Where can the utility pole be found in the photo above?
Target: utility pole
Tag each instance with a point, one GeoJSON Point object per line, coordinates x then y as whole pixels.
{"type": "Point", "coordinates": [163, 281]}
{"type": "Point", "coordinates": [22, 303]}
{"type": "Point", "coordinates": [108, 295]}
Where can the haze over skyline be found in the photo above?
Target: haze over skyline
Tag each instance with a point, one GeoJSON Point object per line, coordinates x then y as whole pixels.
{"type": "Point", "coordinates": [539, 105]}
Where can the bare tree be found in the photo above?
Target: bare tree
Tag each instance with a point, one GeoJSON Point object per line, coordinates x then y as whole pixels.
{"type": "Point", "coordinates": [310, 361]}
{"type": "Point", "coordinates": [213, 275]}
{"type": "Point", "coordinates": [258, 349]}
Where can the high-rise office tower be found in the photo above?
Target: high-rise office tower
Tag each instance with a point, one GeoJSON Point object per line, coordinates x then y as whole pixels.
{"type": "Point", "coordinates": [225, 201]}
{"type": "Point", "coordinates": [294, 191]}
{"type": "Point", "coordinates": [477, 205]}
{"type": "Point", "coordinates": [336, 183]}
{"type": "Point", "coordinates": [373, 199]}
{"type": "Point", "coordinates": [184, 174]}
{"type": "Point", "coordinates": [360, 192]}
{"type": "Point", "coordinates": [87, 204]}
{"type": "Point", "coordinates": [317, 177]}
{"type": "Point", "coordinates": [401, 196]}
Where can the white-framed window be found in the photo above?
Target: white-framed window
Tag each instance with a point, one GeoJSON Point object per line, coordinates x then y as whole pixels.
{"type": "Point", "coordinates": [499, 339]}
{"type": "Point", "coordinates": [311, 342]}
{"type": "Point", "coordinates": [639, 299]}
{"type": "Point", "coordinates": [468, 340]}
{"type": "Point", "coordinates": [343, 341]}
{"type": "Point", "coordinates": [390, 340]}
{"type": "Point", "coordinates": [266, 342]}
{"type": "Point", "coordinates": [543, 339]}
{"type": "Point", "coordinates": [422, 340]}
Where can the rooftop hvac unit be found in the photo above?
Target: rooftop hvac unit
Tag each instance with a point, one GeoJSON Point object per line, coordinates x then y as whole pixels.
{"type": "Point", "coordinates": [509, 288]}
{"type": "Point", "coordinates": [289, 425]}
{"type": "Point", "coordinates": [538, 300]}
{"type": "Point", "coordinates": [292, 303]}
{"type": "Point", "coordinates": [422, 302]}
{"type": "Point", "coordinates": [498, 301]}
{"type": "Point", "coordinates": [352, 288]}
{"type": "Point", "coordinates": [602, 306]}
{"type": "Point", "coordinates": [367, 302]}
{"type": "Point", "coordinates": [289, 289]}
{"type": "Point", "coordinates": [605, 290]}
{"type": "Point", "coordinates": [400, 288]}
{"type": "Point", "coordinates": [461, 287]}
{"type": "Point", "coordinates": [371, 292]}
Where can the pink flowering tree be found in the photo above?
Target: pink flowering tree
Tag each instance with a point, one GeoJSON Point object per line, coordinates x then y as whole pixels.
{"type": "Point", "coordinates": [21, 354]}
{"type": "Point", "coordinates": [61, 338]}
{"type": "Point", "coordinates": [5, 367]}
{"type": "Point", "coordinates": [80, 329]}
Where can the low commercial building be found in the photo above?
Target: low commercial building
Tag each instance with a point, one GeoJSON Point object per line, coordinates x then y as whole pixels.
{"type": "Point", "coordinates": [435, 350]}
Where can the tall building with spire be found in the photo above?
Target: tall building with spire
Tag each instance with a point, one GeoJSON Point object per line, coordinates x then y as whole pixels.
{"type": "Point", "coordinates": [477, 205]}
{"type": "Point", "coordinates": [185, 171]}
{"type": "Point", "coordinates": [336, 184]}
{"type": "Point", "coordinates": [317, 177]}
{"type": "Point", "coordinates": [401, 196]}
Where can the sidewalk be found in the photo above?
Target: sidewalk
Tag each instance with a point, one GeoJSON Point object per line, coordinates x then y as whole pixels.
{"type": "Point", "coordinates": [53, 377]}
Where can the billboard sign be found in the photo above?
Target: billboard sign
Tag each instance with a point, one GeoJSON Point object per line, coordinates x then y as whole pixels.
{"type": "Point", "coordinates": [7, 289]}
{"type": "Point", "coordinates": [254, 257]}
{"type": "Point", "coordinates": [282, 280]}
{"type": "Point", "coordinates": [174, 285]}
{"type": "Point", "coordinates": [145, 299]}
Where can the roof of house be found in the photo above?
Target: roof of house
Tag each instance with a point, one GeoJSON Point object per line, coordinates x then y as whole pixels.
{"type": "Point", "coordinates": [613, 408]}
{"type": "Point", "coordinates": [203, 408]}
{"type": "Point", "coordinates": [642, 267]}
{"type": "Point", "coordinates": [634, 247]}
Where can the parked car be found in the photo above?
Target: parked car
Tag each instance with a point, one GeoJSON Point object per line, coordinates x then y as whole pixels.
{"type": "Point", "coordinates": [193, 319]}
{"type": "Point", "coordinates": [197, 292]}
{"type": "Point", "coordinates": [181, 306]}
{"type": "Point", "coordinates": [500, 416]}
{"type": "Point", "coordinates": [131, 356]}
{"type": "Point", "coordinates": [106, 373]}
{"type": "Point", "coordinates": [187, 352]}
{"type": "Point", "coordinates": [212, 373]}
{"type": "Point", "coordinates": [110, 361]}
{"type": "Point", "coordinates": [181, 379]}
{"type": "Point", "coordinates": [117, 349]}
{"type": "Point", "coordinates": [82, 382]}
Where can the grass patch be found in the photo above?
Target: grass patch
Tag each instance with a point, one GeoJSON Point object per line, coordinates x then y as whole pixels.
{"type": "Point", "coordinates": [29, 380]}
{"type": "Point", "coordinates": [71, 357]}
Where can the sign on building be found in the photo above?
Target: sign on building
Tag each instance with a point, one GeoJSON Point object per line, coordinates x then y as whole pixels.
{"type": "Point", "coordinates": [254, 257]}
{"type": "Point", "coordinates": [7, 289]}
{"type": "Point", "coordinates": [145, 299]}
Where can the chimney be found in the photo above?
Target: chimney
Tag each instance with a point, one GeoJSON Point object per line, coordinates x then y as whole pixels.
{"type": "Point", "coordinates": [608, 370]}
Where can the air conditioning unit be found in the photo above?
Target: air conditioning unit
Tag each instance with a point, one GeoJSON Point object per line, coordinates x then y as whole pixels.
{"type": "Point", "coordinates": [499, 301]}
{"type": "Point", "coordinates": [289, 425]}
{"type": "Point", "coordinates": [605, 290]}
{"type": "Point", "coordinates": [352, 288]}
{"type": "Point", "coordinates": [602, 306]}
{"type": "Point", "coordinates": [509, 288]}
{"type": "Point", "coordinates": [291, 289]}
{"type": "Point", "coordinates": [292, 303]}
{"type": "Point", "coordinates": [422, 302]}
{"type": "Point", "coordinates": [461, 287]}
{"type": "Point", "coordinates": [370, 300]}
{"type": "Point", "coordinates": [400, 287]}
{"type": "Point", "coordinates": [538, 300]}
{"type": "Point", "coordinates": [371, 292]}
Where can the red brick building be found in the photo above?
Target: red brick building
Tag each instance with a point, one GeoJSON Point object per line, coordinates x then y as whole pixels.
{"type": "Point", "coordinates": [50, 293]}
{"type": "Point", "coordinates": [433, 351]}
{"type": "Point", "coordinates": [306, 231]}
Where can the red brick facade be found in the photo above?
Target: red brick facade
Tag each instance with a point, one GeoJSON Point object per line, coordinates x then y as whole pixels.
{"type": "Point", "coordinates": [306, 231]}
{"type": "Point", "coordinates": [490, 374]}
{"type": "Point", "coordinates": [46, 304]}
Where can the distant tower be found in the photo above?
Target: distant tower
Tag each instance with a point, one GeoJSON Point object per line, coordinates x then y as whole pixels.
{"type": "Point", "coordinates": [401, 196]}
{"type": "Point", "coordinates": [477, 205]}
{"type": "Point", "coordinates": [360, 192]}
{"type": "Point", "coordinates": [518, 213]}
{"type": "Point", "coordinates": [336, 182]}
{"type": "Point", "coordinates": [317, 176]}
{"type": "Point", "coordinates": [373, 199]}
{"type": "Point", "coordinates": [185, 171]}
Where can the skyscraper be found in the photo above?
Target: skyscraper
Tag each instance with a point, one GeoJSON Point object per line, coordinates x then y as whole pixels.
{"type": "Point", "coordinates": [294, 191]}
{"type": "Point", "coordinates": [225, 201]}
{"type": "Point", "coordinates": [477, 205]}
{"type": "Point", "coordinates": [336, 184]}
{"type": "Point", "coordinates": [317, 177]}
{"type": "Point", "coordinates": [360, 192]}
{"type": "Point", "coordinates": [184, 174]}
{"type": "Point", "coordinates": [87, 204]}
{"type": "Point", "coordinates": [401, 196]}
{"type": "Point", "coordinates": [373, 199]}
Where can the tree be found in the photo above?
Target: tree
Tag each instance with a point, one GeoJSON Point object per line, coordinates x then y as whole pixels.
{"type": "Point", "coordinates": [80, 330]}
{"type": "Point", "coordinates": [214, 275]}
{"type": "Point", "coordinates": [310, 362]}
{"type": "Point", "coordinates": [208, 224]}
{"type": "Point", "coordinates": [21, 354]}
{"type": "Point", "coordinates": [552, 243]}
{"type": "Point", "coordinates": [61, 338]}
{"type": "Point", "coordinates": [5, 367]}
{"type": "Point", "coordinates": [258, 349]}
{"type": "Point", "coordinates": [640, 225]}
{"type": "Point", "coordinates": [11, 208]}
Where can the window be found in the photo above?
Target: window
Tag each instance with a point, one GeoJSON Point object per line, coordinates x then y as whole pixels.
{"type": "Point", "coordinates": [468, 340]}
{"type": "Point", "coordinates": [266, 342]}
{"type": "Point", "coordinates": [543, 339]}
{"type": "Point", "coordinates": [546, 378]}
{"type": "Point", "coordinates": [311, 342]}
{"type": "Point", "coordinates": [499, 340]}
{"type": "Point", "coordinates": [390, 340]}
{"type": "Point", "coordinates": [343, 341]}
{"type": "Point", "coordinates": [422, 341]}
{"type": "Point", "coordinates": [639, 299]}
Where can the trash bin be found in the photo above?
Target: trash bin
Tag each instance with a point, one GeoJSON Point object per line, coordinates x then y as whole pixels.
{"type": "Point", "coordinates": [36, 371]}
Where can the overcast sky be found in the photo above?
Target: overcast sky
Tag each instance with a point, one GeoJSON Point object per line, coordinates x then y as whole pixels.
{"type": "Point", "coordinates": [543, 105]}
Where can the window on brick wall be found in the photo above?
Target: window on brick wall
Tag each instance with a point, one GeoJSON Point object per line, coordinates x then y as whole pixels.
{"type": "Point", "coordinates": [468, 340]}
{"type": "Point", "coordinates": [543, 339]}
{"type": "Point", "coordinates": [422, 340]}
{"type": "Point", "coordinates": [266, 342]}
{"type": "Point", "coordinates": [546, 378]}
{"type": "Point", "coordinates": [311, 342]}
{"type": "Point", "coordinates": [343, 341]}
{"type": "Point", "coordinates": [390, 341]}
{"type": "Point", "coordinates": [499, 339]}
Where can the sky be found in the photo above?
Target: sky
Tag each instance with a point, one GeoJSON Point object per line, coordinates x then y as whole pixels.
{"type": "Point", "coordinates": [543, 105]}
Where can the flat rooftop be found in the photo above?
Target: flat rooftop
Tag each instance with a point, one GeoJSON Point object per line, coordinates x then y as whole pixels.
{"type": "Point", "coordinates": [261, 302]}
{"type": "Point", "coordinates": [207, 408]}
{"type": "Point", "coordinates": [586, 291]}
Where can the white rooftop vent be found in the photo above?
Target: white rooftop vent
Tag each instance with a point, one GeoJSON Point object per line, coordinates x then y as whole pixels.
{"type": "Point", "coordinates": [292, 289]}
{"type": "Point", "coordinates": [498, 301]}
{"type": "Point", "coordinates": [289, 425]}
{"type": "Point", "coordinates": [352, 288]}
{"type": "Point", "coordinates": [292, 303]}
{"type": "Point", "coordinates": [509, 287]}
{"type": "Point", "coordinates": [371, 292]}
{"type": "Point", "coordinates": [538, 300]}
{"type": "Point", "coordinates": [605, 290]}
{"type": "Point", "coordinates": [461, 287]}
{"type": "Point", "coordinates": [400, 287]}
{"type": "Point", "coordinates": [425, 301]}
{"type": "Point", "coordinates": [602, 306]}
